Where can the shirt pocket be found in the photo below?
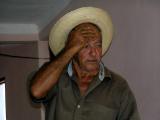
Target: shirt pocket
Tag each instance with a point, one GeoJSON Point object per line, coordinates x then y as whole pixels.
{"type": "Point", "coordinates": [94, 111]}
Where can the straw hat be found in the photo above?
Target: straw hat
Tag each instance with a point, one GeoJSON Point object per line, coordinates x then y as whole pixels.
{"type": "Point", "coordinates": [61, 29]}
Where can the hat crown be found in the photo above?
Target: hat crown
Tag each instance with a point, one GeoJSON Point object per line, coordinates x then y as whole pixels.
{"type": "Point", "coordinates": [60, 31]}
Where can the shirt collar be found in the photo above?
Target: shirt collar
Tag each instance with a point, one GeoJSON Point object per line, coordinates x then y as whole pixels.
{"type": "Point", "coordinates": [101, 74]}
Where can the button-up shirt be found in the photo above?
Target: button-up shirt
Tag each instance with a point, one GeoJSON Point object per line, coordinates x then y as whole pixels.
{"type": "Point", "coordinates": [107, 99]}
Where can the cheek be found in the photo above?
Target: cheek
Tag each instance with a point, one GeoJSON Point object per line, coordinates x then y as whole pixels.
{"type": "Point", "coordinates": [85, 54]}
{"type": "Point", "coordinates": [83, 57]}
{"type": "Point", "coordinates": [98, 53]}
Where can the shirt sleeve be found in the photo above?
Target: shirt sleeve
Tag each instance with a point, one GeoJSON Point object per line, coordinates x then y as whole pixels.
{"type": "Point", "coordinates": [128, 107]}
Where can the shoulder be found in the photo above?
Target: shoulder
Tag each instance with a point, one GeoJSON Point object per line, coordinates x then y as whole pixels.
{"type": "Point", "coordinates": [119, 88]}
{"type": "Point", "coordinates": [116, 79]}
{"type": "Point", "coordinates": [118, 85]}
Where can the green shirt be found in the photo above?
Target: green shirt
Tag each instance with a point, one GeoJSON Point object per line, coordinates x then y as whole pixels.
{"type": "Point", "coordinates": [110, 99]}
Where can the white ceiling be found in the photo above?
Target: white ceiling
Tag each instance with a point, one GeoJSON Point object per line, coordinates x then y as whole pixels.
{"type": "Point", "coordinates": [27, 17]}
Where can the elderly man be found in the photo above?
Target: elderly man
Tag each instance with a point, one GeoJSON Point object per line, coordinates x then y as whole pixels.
{"type": "Point", "coordinates": [76, 85]}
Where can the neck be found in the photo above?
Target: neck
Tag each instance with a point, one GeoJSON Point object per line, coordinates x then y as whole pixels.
{"type": "Point", "coordinates": [83, 74]}
{"type": "Point", "coordinates": [84, 78]}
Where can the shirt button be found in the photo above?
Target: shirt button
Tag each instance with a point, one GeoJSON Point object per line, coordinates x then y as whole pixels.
{"type": "Point", "coordinates": [78, 106]}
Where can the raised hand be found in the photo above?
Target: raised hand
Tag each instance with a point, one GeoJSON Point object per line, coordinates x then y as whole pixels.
{"type": "Point", "coordinates": [80, 36]}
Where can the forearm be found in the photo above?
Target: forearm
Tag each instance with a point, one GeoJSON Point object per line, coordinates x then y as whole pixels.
{"type": "Point", "coordinates": [45, 79]}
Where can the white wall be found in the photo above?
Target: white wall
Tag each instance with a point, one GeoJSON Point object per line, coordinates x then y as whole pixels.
{"type": "Point", "coordinates": [3, 102]}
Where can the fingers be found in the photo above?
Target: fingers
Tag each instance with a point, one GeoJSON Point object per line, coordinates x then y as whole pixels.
{"type": "Point", "coordinates": [87, 32]}
{"type": "Point", "coordinates": [81, 36]}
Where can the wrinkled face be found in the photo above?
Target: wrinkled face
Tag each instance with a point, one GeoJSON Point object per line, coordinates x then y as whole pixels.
{"type": "Point", "coordinates": [88, 58]}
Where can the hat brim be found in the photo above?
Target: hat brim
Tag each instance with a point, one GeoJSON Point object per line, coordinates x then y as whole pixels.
{"type": "Point", "coordinates": [59, 32]}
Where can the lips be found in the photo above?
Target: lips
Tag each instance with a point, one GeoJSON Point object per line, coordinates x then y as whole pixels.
{"type": "Point", "coordinates": [92, 61]}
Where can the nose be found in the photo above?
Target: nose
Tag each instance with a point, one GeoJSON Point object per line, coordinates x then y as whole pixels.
{"type": "Point", "coordinates": [92, 51]}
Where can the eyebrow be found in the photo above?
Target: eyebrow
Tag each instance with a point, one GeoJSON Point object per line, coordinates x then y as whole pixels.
{"type": "Point", "coordinates": [97, 42]}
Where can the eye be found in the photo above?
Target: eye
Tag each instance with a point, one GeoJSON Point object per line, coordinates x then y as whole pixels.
{"type": "Point", "coordinates": [86, 46]}
{"type": "Point", "coordinates": [98, 45]}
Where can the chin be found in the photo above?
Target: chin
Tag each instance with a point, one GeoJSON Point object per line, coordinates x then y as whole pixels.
{"type": "Point", "coordinates": [93, 69]}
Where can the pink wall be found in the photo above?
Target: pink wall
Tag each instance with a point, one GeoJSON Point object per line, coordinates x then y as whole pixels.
{"type": "Point", "coordinates": [16, 71]}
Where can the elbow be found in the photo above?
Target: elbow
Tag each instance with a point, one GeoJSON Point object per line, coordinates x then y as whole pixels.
{"type": "Point", "coordinates": [36, 93]}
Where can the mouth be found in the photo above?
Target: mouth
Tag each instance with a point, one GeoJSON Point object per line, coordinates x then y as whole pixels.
{"type": "Point", "coordinates": [91, 61]}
